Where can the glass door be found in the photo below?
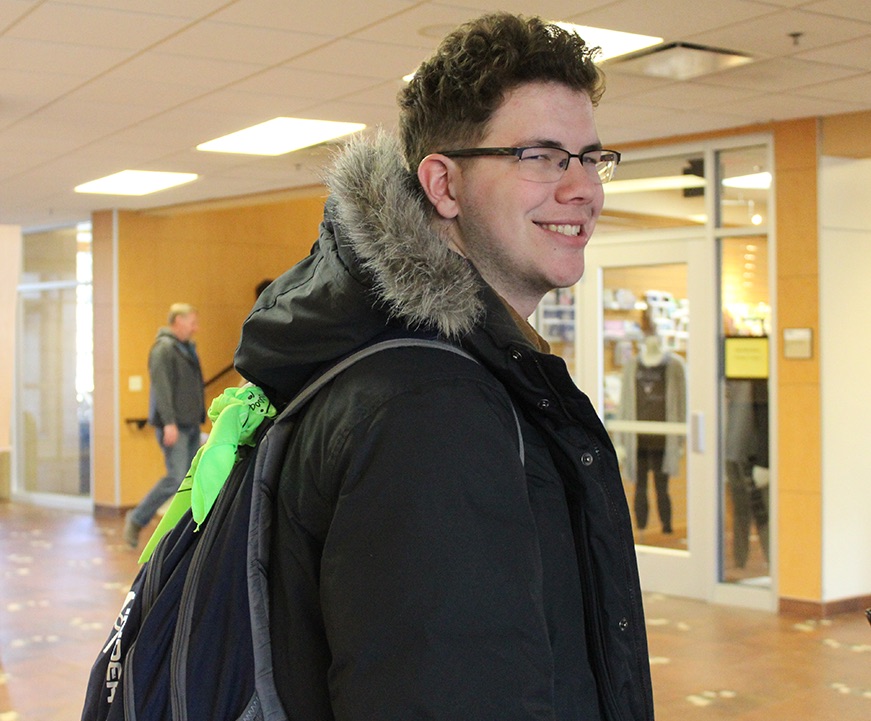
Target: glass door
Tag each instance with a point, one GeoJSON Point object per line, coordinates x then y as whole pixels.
{"type": "Point", "coordinates": [647, 356]}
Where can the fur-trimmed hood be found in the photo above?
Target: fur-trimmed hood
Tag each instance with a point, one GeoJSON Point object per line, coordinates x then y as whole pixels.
{"type": "Point", "coordinates": [378, 263]}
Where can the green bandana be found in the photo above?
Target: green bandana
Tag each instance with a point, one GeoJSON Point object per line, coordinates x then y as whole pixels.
{"type": "Point", "coordinates": [235, 414]}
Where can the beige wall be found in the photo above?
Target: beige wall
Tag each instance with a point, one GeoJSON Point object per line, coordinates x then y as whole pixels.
{"type": "Point", "coordinates": [10, 268]}
{"type": "Point", "coordinates": [212, 256]}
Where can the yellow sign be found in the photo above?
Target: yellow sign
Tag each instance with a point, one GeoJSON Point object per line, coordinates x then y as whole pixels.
{"type": "Point", "coordinates": [746, 357]}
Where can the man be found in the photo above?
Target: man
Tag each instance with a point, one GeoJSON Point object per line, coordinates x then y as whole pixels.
{"type": "Point", "coordinates": [176, 410]}
{"type": "Point", "coordinates": [421, 568]}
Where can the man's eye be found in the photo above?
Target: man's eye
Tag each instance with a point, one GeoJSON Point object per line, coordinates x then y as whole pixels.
{"type": "Point", "coordinates": [539, 155]}
{"type": "Point", "coordinates": [591, 158]}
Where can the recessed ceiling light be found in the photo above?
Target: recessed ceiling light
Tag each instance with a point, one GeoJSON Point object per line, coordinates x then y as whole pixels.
{"type": "Point", "coordinates": [681, 61]}
{"type": "Point", "coordinates": [613, 42]}
{"type": "Point", "coordinates": [279, 136]}
{"type": "Point", "coordinates": [135, 182]}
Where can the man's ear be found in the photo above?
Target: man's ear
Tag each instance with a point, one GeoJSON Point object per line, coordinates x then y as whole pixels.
{"type": "Point", "coordinates": [436, 176]}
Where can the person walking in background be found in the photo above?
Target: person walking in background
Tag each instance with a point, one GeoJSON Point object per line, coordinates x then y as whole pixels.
{"type": "Point", "coordinates": [421, 565]}
{"type": "Point", "coordinates": [176, 409]}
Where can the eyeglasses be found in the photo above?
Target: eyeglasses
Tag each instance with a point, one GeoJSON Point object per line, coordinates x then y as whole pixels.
{"type": "Point", "coordinates": [547, 165]}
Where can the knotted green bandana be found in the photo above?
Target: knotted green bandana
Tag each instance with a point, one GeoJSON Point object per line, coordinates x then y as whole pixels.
{"type": "Point", "coordinates": [235, 414]}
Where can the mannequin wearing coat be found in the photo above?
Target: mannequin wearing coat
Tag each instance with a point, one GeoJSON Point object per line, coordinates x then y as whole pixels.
{"type": "Point", "coordinates": [654, 389]}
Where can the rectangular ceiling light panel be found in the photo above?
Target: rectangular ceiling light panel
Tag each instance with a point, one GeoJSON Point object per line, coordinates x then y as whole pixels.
{"type": "Point", "coordinates": [279, 136]}
{"type": "Point", "coordinates": [135, 182]}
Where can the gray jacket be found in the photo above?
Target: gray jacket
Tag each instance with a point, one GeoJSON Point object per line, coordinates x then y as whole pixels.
{"type": "Point", "coordinates": [176, 395]}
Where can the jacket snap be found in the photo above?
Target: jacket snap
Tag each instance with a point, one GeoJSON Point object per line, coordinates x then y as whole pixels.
{"type": "Point", "coordinates": [544, 404]}
{"type": "Point", "coordinates": [587, 459]}
{"type": "Point", "coordinates": [516, 355]}
{"type": "Point", "coordinates": [623, 624]}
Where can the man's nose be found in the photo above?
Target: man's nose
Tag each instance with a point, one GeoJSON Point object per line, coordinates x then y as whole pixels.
{"type": "Point", "coordinates": [581, 179]}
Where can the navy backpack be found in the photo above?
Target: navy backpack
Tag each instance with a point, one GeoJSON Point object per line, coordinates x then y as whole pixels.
{"type": "Point", "coordinates": [191, 642]}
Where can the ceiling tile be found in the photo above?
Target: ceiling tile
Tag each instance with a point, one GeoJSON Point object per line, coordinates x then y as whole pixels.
{"type": "Point", "coordinates": [362, 58]}
{"type": "Point", "coordinates": [94, 27]}
{"type": "Point", "coordinates": [688, 96]}
{"type": "Point", "coordinates": [853, 53]}
{"type": "Point", "coordinates": [223, 41]}
{"type": "Point", "coordinates": [62, 58]}
{"type": "Point", "coordinates": [173, 8]}
{"type": "Point", "coordinates": [776, 106]}
{"type": "Point", "coordinates": [13, 10]}
{"type": "Point", "coordinates": [289, 82]}
{"type": "Point", "coordinates": [774, 35]}
{"type": "Point", "coordinates": [203, 73]}
{"type": "Point", "coordinates": [855, 9]}
{"type": "Point", "coordinates": [671, 19]}
{"type": "Point", "coordinates": [848, 90]}
{"type": "Point", "coordinates": [778, 74]}
{"type": "Point", "coordinates": [338, 18]}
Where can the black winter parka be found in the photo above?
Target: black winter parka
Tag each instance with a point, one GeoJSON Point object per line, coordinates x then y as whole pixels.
{"type": "Point", "coordinates": [423, 566]}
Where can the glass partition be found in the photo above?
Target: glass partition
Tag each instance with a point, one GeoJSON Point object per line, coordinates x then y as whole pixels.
{"type": "Point", "coordinates": [55, 364]}
{"type": "Point", "coordinates": [650, 194]}
{"type": "Point", "coordinates": [745, 178]}
{"type": "Point", "coordinates": [745, 441]}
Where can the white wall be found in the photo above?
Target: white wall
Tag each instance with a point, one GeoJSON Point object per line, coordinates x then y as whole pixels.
{"type": "Point", "coordinates": [845, 348]}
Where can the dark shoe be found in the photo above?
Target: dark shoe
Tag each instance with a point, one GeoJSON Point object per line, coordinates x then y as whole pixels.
{"type": "Point", "coordinates": [131, 531]}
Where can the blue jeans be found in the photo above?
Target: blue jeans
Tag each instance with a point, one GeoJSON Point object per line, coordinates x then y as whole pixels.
{"type": "Point", "coordinates": [178, 461]}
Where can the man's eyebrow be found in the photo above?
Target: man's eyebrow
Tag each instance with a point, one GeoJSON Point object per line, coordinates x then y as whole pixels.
{"type": "Point", "coordinates": [549, 143]}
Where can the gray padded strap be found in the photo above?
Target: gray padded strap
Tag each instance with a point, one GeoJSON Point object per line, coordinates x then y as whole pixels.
{"type": "Point", "coordinates": [312, 388]}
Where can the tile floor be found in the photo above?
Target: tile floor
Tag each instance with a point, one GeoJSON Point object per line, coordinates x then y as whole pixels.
{"type": "Point", "coordinates": [63, 576]}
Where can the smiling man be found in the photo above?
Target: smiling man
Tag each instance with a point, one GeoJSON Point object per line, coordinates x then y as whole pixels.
{"type": "Point", "coordinates": [451, 537]}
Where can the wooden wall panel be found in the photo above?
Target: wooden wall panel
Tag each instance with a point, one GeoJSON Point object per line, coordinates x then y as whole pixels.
{"type": "Point", "coordinates": [210, 255]}
{"type": "Point", "coordinates": [799, 438]}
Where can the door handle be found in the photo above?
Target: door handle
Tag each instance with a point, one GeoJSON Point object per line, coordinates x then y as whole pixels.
{"type": "Point", "coordinates": [697, 430]}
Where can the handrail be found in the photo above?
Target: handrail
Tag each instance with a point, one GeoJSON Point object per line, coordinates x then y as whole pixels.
{"type": "Point", "coordinates": [140, 423]}
{"type": "Point", "coordinates": [219, 374]}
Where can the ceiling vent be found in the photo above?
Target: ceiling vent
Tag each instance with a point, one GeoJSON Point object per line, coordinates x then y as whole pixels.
{"type": "Point", "coordinates": [679, 61]}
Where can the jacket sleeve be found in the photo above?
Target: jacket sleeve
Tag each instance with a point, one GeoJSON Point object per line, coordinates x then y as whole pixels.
{"type": "Point", "coordinates": [160, 370]}
{"type": "Point", "coordinates": [431, 571]}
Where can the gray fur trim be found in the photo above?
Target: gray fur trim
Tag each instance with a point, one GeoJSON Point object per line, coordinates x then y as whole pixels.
{"type": "Point", "coordinates": [416, 274]}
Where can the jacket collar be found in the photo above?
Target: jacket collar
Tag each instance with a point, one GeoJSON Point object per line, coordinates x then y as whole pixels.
{"type": "Point", "coordinates": [384, 217]}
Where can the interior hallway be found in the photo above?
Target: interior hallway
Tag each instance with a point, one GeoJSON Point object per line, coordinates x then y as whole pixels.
{"type": "Point", "coordinates": [63, 576]}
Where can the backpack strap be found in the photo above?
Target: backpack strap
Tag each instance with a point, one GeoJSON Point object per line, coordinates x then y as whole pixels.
{"type": "Point", "coordinates": [306, 394]}
{"type": "Point", "coordinates": [266, 469]}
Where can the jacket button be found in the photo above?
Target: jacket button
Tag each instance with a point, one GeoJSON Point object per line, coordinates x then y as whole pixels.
{"type": "Point", "coordinates": [623, 624]}
{"type": "Point", "coordinates": [544, 403]}
{"type": "Point", "coordinates": [587, 459]}
{"type": "Point", "coordinates": [516, 355]}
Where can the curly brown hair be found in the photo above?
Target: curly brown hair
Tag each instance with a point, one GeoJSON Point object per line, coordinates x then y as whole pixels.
{"type": "Point", "coordinates": [453, 95]}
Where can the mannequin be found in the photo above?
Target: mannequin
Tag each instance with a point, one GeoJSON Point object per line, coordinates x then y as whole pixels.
{"type": "Point", "coordinates": [654, 389]}
{"type": "Point", "coordinates": [651, 351]}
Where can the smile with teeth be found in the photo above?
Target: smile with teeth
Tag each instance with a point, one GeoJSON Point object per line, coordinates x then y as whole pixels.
{"type": "Point", "coordinates": [563, 229]}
